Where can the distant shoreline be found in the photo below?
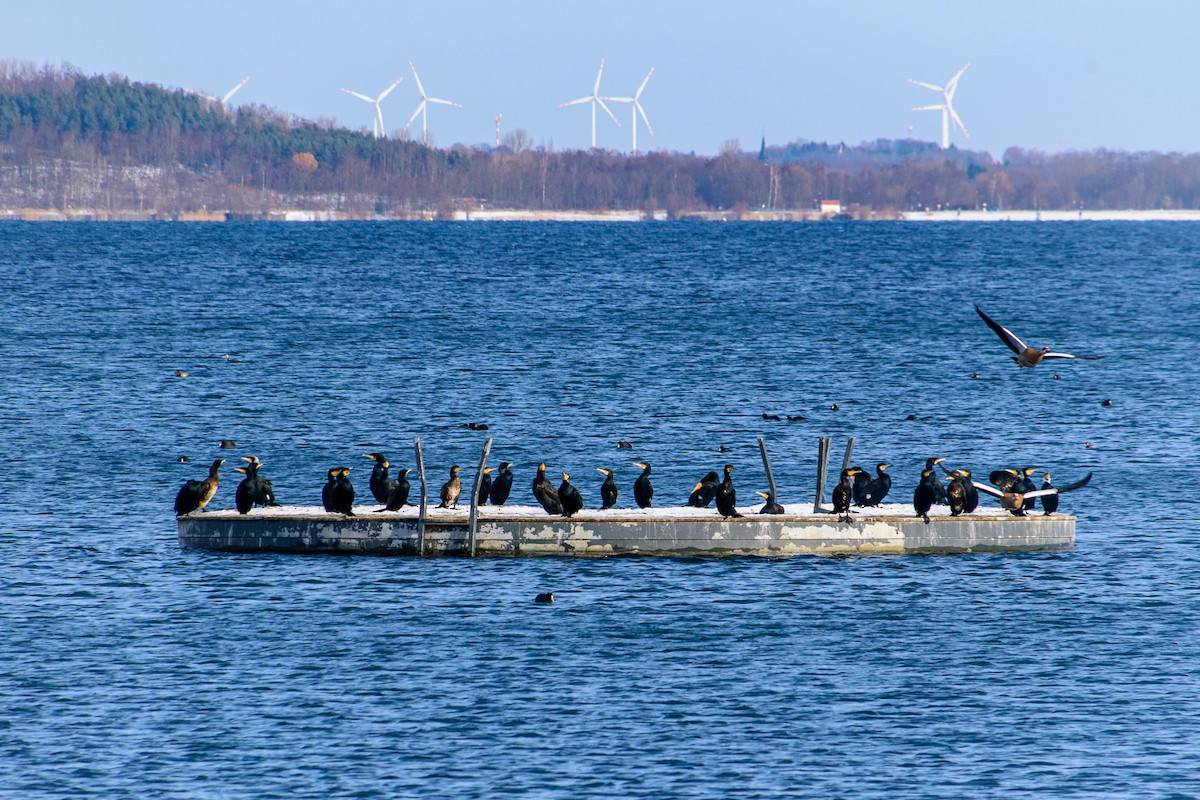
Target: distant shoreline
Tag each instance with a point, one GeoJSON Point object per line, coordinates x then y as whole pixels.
{"type": "Point", "coordinates": [533, 215]}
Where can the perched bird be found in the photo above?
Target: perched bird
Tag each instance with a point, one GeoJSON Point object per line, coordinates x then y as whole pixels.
{"type": "Point", "coordinates": [545, 493]}
{"type": "Point", "coordinates": [1025, 484]}
{"type": "Point", "coordinates": [1049, 501]}
{"type": "Point", "coordinates": [1015, 501]}
{"type": "Point", "coordinates": [502, 485]}
{"type": "Point", "coordinates": [608, 489]}
{"type": "Point", "coordinates": [399, 496]}
{"type": "Point", "coordinates": [381, 484]}
{"type": "Point", "coordinates": [485, 486]}
{"type": "Point", "coordinates": [859, 486]}
{"type": "Point", "coordinates": [956, 492]}
{"type": "Point", "coordinates": [254, 489]}
{"type": "Point", "coordinates": [1025, 356]}
{"type": "Point", "coordinates": [327, 490]}
{"type": "Point", "coordinates": [1004, 479]}
{"type": "Point", "coordinates": [194, 495]}
{"type": "Point", "coordinates": [924, 494]}
{"type": "Point", "coordinates": [451, 489]}
{"type": "Point", "coordinates": [704, 491]}
{"type": "Point", "coordinates": [341, 498]}
{"type": "Point", "coordinates": [726, 495]}
{"type": "Point", "coordinates": [939, 491]}
{"type": "Point", "coordinates": [878, 487]}
{"type": "Point", "coordinates": [643, 490]}
{"type": "Point", "coordinates": [569, 497]}
{"type": "Point", "coordinates": [843, 493]}
{"type": "Point", "coordinates": [770, 506]}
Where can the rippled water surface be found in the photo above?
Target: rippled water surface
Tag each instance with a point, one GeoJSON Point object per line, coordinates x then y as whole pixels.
{"type": "Point", "coordinates": [132, 668]}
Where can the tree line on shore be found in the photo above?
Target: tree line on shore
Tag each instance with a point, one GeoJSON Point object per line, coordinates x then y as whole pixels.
{"type": "Point", "coordinates": [68, 140]}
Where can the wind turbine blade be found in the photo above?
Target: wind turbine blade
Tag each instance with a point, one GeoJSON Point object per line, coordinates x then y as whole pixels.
{"type": "Point", "coordinates": [575, 102]}
{"type": "Point", "coordinates": [442, 102]}
{"type": "Point", "coordinates": [642, 111]}
{"type": "Point", "coordinates": [952, 84]}
{"type": "Point", "coordinates": [359, 96]}
{"type": "Point", "coordinates": [928, 108]}
{"type": "Point", "coordinates": [958, 122]}
{"type": "Point", "coordinates": [606, 108]}
{"type": "Point", "coordinates": [388, 90]}
{"type": "Point", "coordinates": [212, 99]}
{"type": "Point", "coordinates": [615, 99]}
{"type": "Point", "coordinates": [596, 88]}
{"type": "Point", "coordinates": [420, 108]}
{"type": "Point", "coordinates": [926, 85]}
{"type": "Point", "coordinates": [233, 91]}
{"type": "Point", "coordinates": [420, 88]}
{"type": "Point", "coordinates": [646, 80]}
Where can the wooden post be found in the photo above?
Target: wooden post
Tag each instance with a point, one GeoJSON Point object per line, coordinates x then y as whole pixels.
{"type": "Point", "coordinates": [822, 472]}
{"type": "Point", "coordinates": [424, 497]}
{"type": "Point", "coordinates": [474, 518]}
{"type": "Point", "coordinates": [762, 448]}
{"type": "Point", "coordinates": [849, 452]}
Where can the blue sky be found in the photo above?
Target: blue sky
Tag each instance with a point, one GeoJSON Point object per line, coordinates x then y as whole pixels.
{"type": "Point", "coordinates": [1044, 75]}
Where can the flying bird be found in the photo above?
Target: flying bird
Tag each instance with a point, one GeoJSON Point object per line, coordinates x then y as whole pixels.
{"type": "Point", "coordinates": [1026, 356]}
{"type": "Point", "coordinates": [1015, 501]}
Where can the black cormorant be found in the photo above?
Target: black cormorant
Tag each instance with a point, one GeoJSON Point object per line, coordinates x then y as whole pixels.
{"type": "Point", "coordinates": [643, 489]}
{"type": "Point", "coordinates": [451, 489]}
{"type": "Point", "coordinates": [545, 493]}
{"type": "Point", "coordinates": [254, 488]}
{"type": "Point", "coordinates": [1026, 356]}
{"type": "Point", "coordinates": [608, 489]}
{"type": "Point", "coordinates": [924, 494]}
{"type": "Point", "coordinates": [485, 486]}
{"type": "Point", "coordinates": [859, 486]}
{"type": "Point", "coordinates": [569, 497]}
{"type": "Point", "coordinates": [726, 495]}
{"type": "Point", "coordinates": [502, 485]}
{"type": "Point", "coordinates": [843, 493]}
{"type": "Point", "coordinates": [342, 496]}
{"type": "Point", "coordinates": [878, 487]}
{"type": "Point", "coordinates": [939, 491]}
{"type": "Point", "coordinates": [1024, 485]}
{"type": "Point", "coordinates": [327, 490]}
{"type": "Point", "coordinates": [399, 496]}
{"type": "Point", "coordinates": [381, 484]}
{"type": "Point", "coordinates": [769, 506]}
{"type": "Point", "coordinates": [704, 491]}
{"type": "Point", "coordinates": [1049, 501]}
{"type": "Point", "coordinates": [194, 495]}
{"type": "Point", "coordinates": [956, 492]}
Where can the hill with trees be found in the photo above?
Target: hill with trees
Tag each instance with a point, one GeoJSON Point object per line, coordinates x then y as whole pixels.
{"type": "Point", "coordinates": [73, 141]}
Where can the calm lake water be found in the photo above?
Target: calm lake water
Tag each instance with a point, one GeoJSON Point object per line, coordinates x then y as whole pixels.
{"type": "Point", "coordinates": [132, 668]}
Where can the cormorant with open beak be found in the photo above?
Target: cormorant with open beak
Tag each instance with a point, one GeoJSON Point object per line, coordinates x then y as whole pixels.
{"type": "Point", "coordinates": [726, 495]}
{"type": "Point", "coordinates": [608, 489]}
{"type": "Point", "coordinates": [1026, 356]}
{"type": "Point", "coordinates": [254, 488]}
{"type": "Point", "coordinates": [194, 495]}
{"type": "Point", "coordinates": [545, 493]}
{"type": "Point", "coordinates": [569, 497]}
{"type": "Point", "coordinates": [451, 489]}
{"type": "Point", "coordinates": [1015, 501]}
{"type": "Point", "coordinates": [643, 490]}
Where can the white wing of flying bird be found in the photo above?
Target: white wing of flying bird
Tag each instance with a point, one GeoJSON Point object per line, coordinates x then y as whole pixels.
{"type": "Point", "coordinates": [1025, 356]}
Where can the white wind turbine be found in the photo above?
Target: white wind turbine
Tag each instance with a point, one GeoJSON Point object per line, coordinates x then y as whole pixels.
{"type": "Point", "coordinates": [221, 101]}
{"type": "Point", "coordinates": [593, 98]}
{"type": "Point", "coordinates": [377, 123]}
{"type": "Point", "coordinates": [946, 106]}
{"type": "Point", "coordinates": [637, 108]}
{"type": "Point", "coordinates": [423, 107]}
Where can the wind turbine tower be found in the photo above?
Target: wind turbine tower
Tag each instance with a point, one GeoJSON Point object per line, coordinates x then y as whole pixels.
{"type": "Point", "coordinates": [946, 106]}
{"type": "Point", "coordinates": [423, 106]}
{"type": "Point", "coordinates": [636, 108]}
{"type": "Point", "coordinates": [498, 118]}
{"type": "Point", "coordinates": [377, 125]}
{"type": "Point", "coordinates": [594, 98]}
{"type": "Point", "coordinates": [221, 101]}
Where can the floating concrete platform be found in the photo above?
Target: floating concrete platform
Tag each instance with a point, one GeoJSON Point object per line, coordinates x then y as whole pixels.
{"type": "Point", "coordinates": [529, 531]}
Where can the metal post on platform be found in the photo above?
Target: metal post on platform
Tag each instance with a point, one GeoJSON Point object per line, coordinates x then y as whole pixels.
{"type": "Point", "coordinates": [822, 471]}
{"type": "Point", "coordinates": [474, 518]}
{"type": "Point", "coordinates": [424, 497]}
{"type": "Point", "coordinates": [762, 448]}
{"type": "Point", "coordinates": [849, 453]}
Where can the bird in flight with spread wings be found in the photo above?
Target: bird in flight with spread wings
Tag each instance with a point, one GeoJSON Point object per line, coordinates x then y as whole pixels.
{"type": "Point", "coordinates": [1026, 356]}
